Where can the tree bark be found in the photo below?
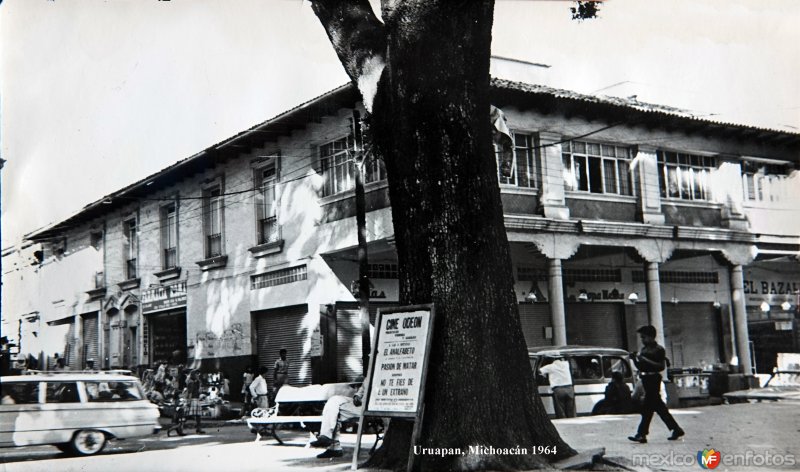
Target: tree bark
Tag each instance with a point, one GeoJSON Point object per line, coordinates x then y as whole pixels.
{"type": "Point", "coordinates": [430, 123]}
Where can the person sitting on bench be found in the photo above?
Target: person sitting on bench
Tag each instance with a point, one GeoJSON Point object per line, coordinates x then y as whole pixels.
{"type": "Point", "coordinates": [338, 407]}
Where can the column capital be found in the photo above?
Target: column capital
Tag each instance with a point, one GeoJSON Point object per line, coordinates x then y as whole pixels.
{"type": "Point", "coordinates": [655, 251]}
{"type": "Point", "coordinates": [740, 255]}
{"type": "Point", "coordinates": [644, 149]}
{"type": "Point", "coordinates": [557, 247]}
{"type": "Point", "coordinates": [549, 137]}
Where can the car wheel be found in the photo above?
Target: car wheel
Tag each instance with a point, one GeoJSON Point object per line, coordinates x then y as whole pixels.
{"type": "Point", "coordinates": [64, 447]}
{"type": "Point", "coordinates": [87, 442]}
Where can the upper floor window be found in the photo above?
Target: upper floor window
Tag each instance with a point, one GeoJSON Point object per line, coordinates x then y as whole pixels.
{"type": "Point", "coordinates": [597, 168]}
{"type": "Point", "coordinates": [685, 176]}
{"type": "Point", "coordinates": [523, 167]}
{"type": "Point", "coordinates": [169, 236]}
{"type": "Point", "coordinates": [266, 208]}
{"type": "Point", "coordinates": [764, 183]}
{"type": "Point", "coordinates": [337, 159]}
{"type": "Point", "coordinates": [213, 221]}
{"type": "Point", "coordinates": [131, 248]}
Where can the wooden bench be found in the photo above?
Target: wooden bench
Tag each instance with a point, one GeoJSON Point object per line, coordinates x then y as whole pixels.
{"type": "Point", "coordinates": [303, 406]}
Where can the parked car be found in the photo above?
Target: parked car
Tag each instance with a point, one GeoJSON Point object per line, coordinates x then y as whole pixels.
{"type": "Point", "coordinates": [74, 411]}
{"type": "Point", "coordinates": [591, 368]}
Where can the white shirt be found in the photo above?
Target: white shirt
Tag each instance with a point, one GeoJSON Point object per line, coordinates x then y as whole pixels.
{"type": "Point", "coordinates": [558, 373]}
{"type": "Point", "coordinates": [259, 386]}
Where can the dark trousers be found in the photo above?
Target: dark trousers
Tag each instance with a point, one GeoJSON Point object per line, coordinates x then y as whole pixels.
{"type": "Point", "coordinates": [654, 404]}
{"type": "Point", "coordinates": [564, 401]}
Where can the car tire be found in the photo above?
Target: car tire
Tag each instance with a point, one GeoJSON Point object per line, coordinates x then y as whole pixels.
{"type": "Point", "coordinates": [87, 442]}
{"type": "Point", "coordinates": [65, 447]}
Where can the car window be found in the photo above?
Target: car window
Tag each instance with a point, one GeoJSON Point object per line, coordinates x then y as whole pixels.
{"type": "Point", "coordinates": [615, 364]}
{"type": "Point", "coordinates": [62, 392]}
{"type": "Point", "coordinates": [586, 368]}
{"type": "Point", "coordinates": [538, 363]}
{"type": "Point", "coordinates": [112, 391]}
{"type": "Point", "coordinates": [19, 393]}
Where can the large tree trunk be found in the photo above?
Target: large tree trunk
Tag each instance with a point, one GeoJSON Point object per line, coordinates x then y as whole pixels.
{"type": "Point", "coordinates": [430, 123]}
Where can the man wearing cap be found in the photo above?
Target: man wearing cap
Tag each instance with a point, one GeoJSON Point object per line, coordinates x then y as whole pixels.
{"type": "Point", "coordinates": [338, 407]}
{"type": "Point", "coordinates": [650, 361]}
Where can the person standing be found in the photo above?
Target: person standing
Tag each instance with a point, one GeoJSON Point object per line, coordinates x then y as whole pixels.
{"type": "Point", "coordinates": [258, 389]}
{"type": "Point", "coordinates": [247, 379]}
{"type": "Point", "coordinates": [281, 374]}
{"type": "Point", "coordinates": [193, 388]}
{"type": "Point", "coordinates": [650, 361]}
{"type": "Point", "coordinates": [560, 377]}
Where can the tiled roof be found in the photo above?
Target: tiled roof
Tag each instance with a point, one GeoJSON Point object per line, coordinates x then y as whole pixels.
{"type": "Point", "coordinates": [628, 103]}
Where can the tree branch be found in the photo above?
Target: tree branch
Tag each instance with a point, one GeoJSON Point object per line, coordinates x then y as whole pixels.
{"type": "Point", "coordinates": [359, 39]}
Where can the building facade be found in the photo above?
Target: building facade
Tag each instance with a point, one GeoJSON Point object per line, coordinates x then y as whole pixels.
{"type": "Point", "coordinates": [618, 213]}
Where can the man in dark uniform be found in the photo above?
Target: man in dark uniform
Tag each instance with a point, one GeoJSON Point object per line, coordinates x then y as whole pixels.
{"type": "Point", "coordinates": [650, 361]}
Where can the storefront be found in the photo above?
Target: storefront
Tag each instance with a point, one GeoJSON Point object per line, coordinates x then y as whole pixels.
{"type": "Point", "coordinates": [163, 336]}
{"type": "Point", "coordinates": [772, 293]}
{"type": "Point", "coordinates": [536, 325]}
{"type": "Point", "coordinates": [596, 324]}
{"type": "Point", "coordinates": [349, 351]}
{"type": "Point", "coordinates": [90, 341]}
{"type": "Point", "coordinates": [292, 328]}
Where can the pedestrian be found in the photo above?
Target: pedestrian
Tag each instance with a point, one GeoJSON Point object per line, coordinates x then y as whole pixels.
{"type": "Point", "coordinates": [61, 364]}
{"type": "Point", "coordinates": [247, 379]}
{"type": "Point", "coordinates": [650, 361]}
{"type": "Point", "coordinates": [258, 389]}
{"type": "Point", "coordinates": [225, 384]}
{"type": "Point", "coordinates": [560, 377]}
{"type": "Point", "coordinates": [281, 374]}
{"type": "Point", "coordinates": [338, 407]}
{"type": "Point", "coordinates": [617, 399]}
{"type": "Point", "coordinates": [193, 388]}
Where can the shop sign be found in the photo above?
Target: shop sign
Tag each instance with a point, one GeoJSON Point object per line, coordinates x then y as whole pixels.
{"type": "Point", "coordinates": [316, 342]}
{"type": "Point", "coordinates": [771, 287]}
{"type": "Point", "coordinates": [783, 326]}
{"type": "Point", "coordinates": [164, 298]}
{"type": "Point", "coordinates": [400, 355]}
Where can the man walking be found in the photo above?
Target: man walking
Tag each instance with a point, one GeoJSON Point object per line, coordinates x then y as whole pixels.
{"type": "Point", "coordinates": [560, 377]}
{"type": "Point", "coordinates": [650, 361]}
{"type": "Point", "coordinates": [258, 389]}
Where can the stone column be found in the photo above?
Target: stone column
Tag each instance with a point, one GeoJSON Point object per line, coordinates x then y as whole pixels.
{"type": "Point", "coordinates": [645, 169]}
{"type": "Point", "coordinates": [552, 197]}
{"type": "Point", "coordinates": [654, 315]}
{"type": "Point", "coordinates": [729, 191]}
{"type": "Point", "coordinates": [555, 291]}
{"type": "Point", "coordinates": [740, 319]}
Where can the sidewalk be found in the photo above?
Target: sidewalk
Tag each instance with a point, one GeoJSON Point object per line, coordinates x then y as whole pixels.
{"type": "Point", "coordinates": [757, 435]}
{"type": "Point", "coordinates": [749, 436]}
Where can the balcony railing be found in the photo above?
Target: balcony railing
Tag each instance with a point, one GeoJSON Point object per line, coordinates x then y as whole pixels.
{"type": "Point", "coordinates": [170, 258]}
{"type": "Point", "coordinates": [213, 245]}
{"type": "Point", "coordinates": [268, 230]}
{"type": "Point", "coordinates": [130, 269]}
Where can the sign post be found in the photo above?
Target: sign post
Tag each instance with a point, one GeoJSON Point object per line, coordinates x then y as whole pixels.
{"type": "Point", "coordinates": [395, 383]}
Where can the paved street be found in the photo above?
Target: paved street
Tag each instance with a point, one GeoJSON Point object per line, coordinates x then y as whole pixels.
{"type": "Point", "coordinates": [765, 435]}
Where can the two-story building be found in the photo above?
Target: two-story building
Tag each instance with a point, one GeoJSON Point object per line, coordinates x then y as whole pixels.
{"type": "Point", "coordinates": [618, 213]}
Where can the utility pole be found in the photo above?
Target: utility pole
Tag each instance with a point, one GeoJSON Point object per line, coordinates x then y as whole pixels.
{"type": "Point", "coordinates": [361, 222]}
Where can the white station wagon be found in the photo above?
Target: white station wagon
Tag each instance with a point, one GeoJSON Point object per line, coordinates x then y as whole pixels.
{"type": "Point", "coordinates": [74, 411]}
{"type": "Point", "coordinates": [591, 369]}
